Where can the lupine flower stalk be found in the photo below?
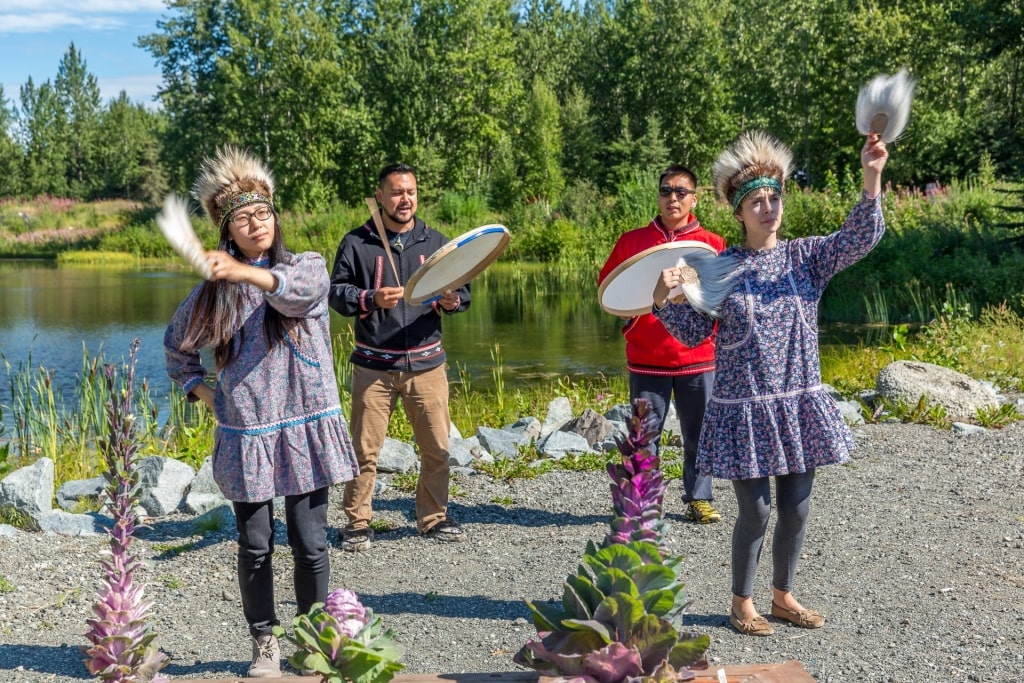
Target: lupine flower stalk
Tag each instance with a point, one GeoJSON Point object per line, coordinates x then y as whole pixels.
{"type": "Point", "coordinates": [638, 486]}
{"type": "Point", "coordinates": [122, 649]}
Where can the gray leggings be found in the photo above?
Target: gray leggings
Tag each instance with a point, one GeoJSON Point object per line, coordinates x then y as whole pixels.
{"type": "Point", "coordinates": [754, 498]}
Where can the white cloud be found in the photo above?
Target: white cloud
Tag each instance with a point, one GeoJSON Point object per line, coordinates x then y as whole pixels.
{"type": "Point", "coordinates": [25, 16]}
{"type": "Point", "coordinates": [96, 6]}
{"type": "Point", "coordinates": [42, 22]}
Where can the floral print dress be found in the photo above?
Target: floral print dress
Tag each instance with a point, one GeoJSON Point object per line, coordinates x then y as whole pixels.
{"type": "Point", "coordinates": [768, 414]}
{"type": "Point", "coordinates": [280, 428]}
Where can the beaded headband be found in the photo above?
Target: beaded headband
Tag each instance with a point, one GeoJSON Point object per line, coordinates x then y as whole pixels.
{"type": "Point", "coordinates": [754, 184]}
{"type": "Point", "coordinates": [237, 201]}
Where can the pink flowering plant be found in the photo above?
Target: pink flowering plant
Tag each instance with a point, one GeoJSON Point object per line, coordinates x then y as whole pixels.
{"type": "Point", "coordinates": [638, 485]}
{"type": "Point", "coordinates": [342, 640]}
{"type": "Point", "coordinates": [620, 618]}
{"type": "Point", "coordinates": [121, 647]}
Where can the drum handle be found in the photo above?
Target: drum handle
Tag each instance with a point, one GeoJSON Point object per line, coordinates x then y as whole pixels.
{"type": "Point", "coordinates": [375, 214]}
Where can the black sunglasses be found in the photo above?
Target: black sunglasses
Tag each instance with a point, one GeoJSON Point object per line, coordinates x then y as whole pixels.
{"type": "Point", "coordinates": [668, 191]}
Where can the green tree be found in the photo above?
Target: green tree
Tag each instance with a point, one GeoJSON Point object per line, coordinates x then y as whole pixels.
{"type": "Point", "coordinates": [10, 153]}
{"type": "Point", "coordinates": [129, 159]}
{"type": "Point", "coordinates": [41, 128]}
{"type": "Point", "coordinates": [78, 96]}
{"type": "Point", "coordinates": [269, 75]}
{"type": "Point", "coordinates": [542, 145]}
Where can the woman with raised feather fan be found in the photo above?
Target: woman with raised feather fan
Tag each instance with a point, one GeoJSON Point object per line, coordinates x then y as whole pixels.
{"type": "Point", "coordinates": [769, 415]}
{"type": "Point", "coordinates": [280, 429]}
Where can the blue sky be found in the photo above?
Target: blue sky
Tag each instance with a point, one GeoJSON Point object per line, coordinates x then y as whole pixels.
{"type": "Point", "coordinates": [35, 34]}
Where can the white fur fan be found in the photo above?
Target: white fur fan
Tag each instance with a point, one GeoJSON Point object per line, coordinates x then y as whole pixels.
{"type": "Point", "coordinates": [883, 105]}
{"type": "Point", "coordinates": [177, 228]}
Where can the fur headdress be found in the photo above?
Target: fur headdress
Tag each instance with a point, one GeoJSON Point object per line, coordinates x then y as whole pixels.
{"type": "Point", "coordinates": [230, 180]}
{"type": "Point", "coordinates": [754, 161]}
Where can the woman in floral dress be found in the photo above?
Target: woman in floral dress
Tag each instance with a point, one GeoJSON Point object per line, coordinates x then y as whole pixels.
{"type": "Point", "coordinates": [769, 415]}
{"type": "Point", "coordinates": [280, 429]}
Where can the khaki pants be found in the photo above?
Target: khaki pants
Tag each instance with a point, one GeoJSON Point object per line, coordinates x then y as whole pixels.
{"type": "Point", "coordinates": [425, 400]}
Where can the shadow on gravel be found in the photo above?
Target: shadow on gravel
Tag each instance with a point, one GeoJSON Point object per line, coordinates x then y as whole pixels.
{"type": "Point", "coordinates": [489, 513]}
{"type": "Point", "coordinates": [206, 669]}
{"type": "Point", "coordinates": [43, 659]}
{"type": "Point", "coordinates": [435, 604]}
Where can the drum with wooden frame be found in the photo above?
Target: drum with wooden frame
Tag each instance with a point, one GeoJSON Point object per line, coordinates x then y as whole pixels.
{"type": "Point", "coordinates": [629, 288]}
{"type": "Point", "coordinates": [456, 263]}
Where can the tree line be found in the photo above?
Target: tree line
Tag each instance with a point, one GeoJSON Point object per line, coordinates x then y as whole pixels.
{"type": "Point", "coordinates": [521, 101]}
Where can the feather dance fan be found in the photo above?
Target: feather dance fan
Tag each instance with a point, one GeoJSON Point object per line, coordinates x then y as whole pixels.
{"type": "Point", "coordinates": [177, 228]}
{"type": "Point", "coordinates": [707, 281]}
{"type": "Point", "coordinates": [883, 105]}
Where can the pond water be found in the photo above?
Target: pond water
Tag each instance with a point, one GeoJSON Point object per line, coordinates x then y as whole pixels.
{"type": "Point", "coordinates": [50, 316]}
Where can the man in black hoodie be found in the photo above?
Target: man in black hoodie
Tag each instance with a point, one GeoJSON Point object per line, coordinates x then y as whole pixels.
{"type": "Point", "coordinates": [398, 354]}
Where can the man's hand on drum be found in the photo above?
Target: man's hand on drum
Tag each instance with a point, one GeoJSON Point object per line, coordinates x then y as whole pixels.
{"type": "Point", "coordinates": [388, 297]}
{"type": "Point", "coordinates": [670, 278]}
{"type": "Point", "coordinates": [450, 301]}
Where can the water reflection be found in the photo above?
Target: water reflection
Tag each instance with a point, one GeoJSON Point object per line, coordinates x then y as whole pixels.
{"type": "Point", "coordinates": [544, 326]}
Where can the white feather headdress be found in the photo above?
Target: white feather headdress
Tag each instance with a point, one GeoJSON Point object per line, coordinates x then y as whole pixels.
{"type": "Point", "coordinates": [230, 180]}
{"type": "Point", "coordinates": [755, 155]}
{"type": "Point", "coordinates": [883, 105]}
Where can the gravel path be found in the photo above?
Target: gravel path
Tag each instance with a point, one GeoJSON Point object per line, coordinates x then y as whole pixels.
{"type": "Point", "coordinates": [915, 554]}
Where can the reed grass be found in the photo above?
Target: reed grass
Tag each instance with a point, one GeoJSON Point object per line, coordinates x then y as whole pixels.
{"type": "Point", "coordinates": [41, 423]}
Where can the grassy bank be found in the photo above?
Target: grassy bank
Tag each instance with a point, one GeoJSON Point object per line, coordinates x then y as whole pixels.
{"type": "Point", "coordinates": [45, 425]}
{"type": "Point", "coordinates": [967, 237]}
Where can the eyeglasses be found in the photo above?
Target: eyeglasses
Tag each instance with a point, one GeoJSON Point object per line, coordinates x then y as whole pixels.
{"type": "Point", "coordinates": [668, 191]}
{"type": "Point", "coordinates": [242, 220]}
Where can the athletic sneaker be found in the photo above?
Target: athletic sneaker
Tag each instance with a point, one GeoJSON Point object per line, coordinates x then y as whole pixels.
{"type": "Point", "coordinates": [356, 540]}
{"type": "Point", "coordinates": [702, 512]}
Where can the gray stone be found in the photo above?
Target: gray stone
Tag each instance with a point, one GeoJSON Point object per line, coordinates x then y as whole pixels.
{"type": "Point", "coordinates": [619, 413]}
{"type": "Point", "coordinates": [463, 471]}
{"type": "Point", "coordinates": [591, 425]}
{"type": "Point", "coordinates": [485, 458]}
{"type": "Point", "coordinates": [557, 445]}
{"type": "Point", "coordinates": [498, 442]}
{"type": "Point", "coordinates": [459, 454]}
{"type": "Point", "coordinates": [203, 493]}
{"type": "Point", "coordinates": [559, 412]}
{"type": "Point", "coordinates": [868, 396]}
{"type": "Point", "coordinates": [528, 429]}
{"type": "Point", "coordinates": [68, 524]}
{"type": "Point", "coordinates": [851, 412]}
{"type": "Point", "coordinates": [453, 432]}
{"type": "Point", "coordinates": [379, 486]}
{"type": "Point", "coordinates": [964, 429]}
{"type": "Point", "coordinates": [397, 456]}
{"type": "Point", "coordinates": [29, 489]}
{"type": "Point", "coordinates": [162, 484]}
{"type": "Point", "coordinates": [8, 530]}
{"type": "Point", "coordinates": [71, 492]}
{"type": "Point", "coordinates": [958, 394]}
{"type": "Point", "coordinates": [831, 391]}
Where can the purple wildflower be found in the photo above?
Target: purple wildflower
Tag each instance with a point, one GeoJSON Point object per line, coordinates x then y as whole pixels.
{"type": "Point", "coordinates": [121, 640]}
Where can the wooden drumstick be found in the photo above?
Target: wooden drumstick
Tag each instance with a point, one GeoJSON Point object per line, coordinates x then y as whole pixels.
{"type": "Point", "coordinates": [375, 214]}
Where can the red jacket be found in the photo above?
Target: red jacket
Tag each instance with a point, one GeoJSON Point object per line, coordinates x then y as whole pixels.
{"type": "Point", "coordinates": [650, 349]}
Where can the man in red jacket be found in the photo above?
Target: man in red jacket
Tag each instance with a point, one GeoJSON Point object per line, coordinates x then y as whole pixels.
{"type": "Point", "coordinates": [659, 366]}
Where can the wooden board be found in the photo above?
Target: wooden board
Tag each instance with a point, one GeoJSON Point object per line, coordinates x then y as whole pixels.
{"type": "Point", "coordinates": [786, 672]}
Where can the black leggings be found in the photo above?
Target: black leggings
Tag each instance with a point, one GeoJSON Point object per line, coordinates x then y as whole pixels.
{"type": "Point", "coordinates": [306, 519]}
{"type": "Point", "coordinates": [754, 498]}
